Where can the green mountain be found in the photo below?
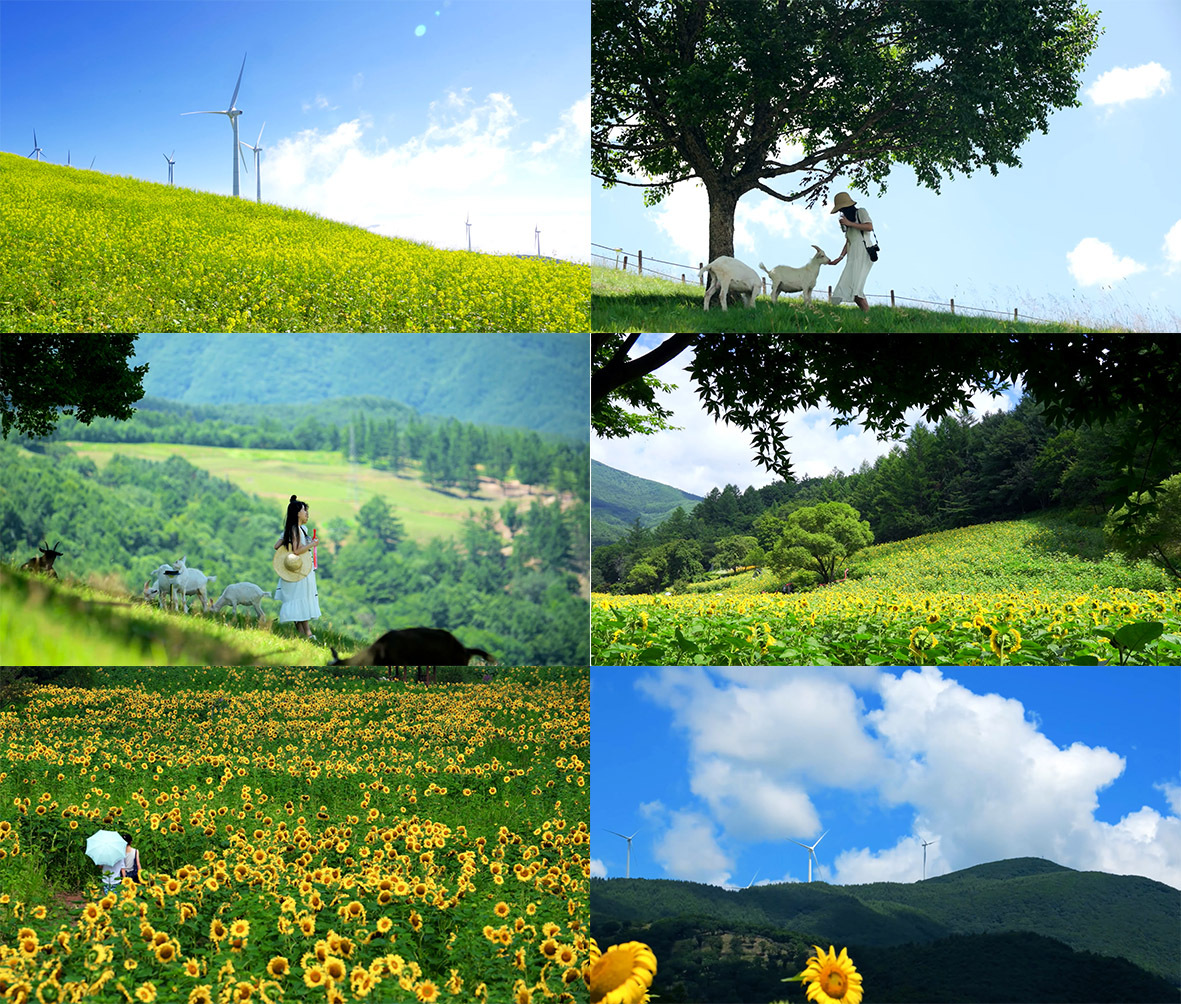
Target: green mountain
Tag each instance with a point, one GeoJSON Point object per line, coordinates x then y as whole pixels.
{"type": "Point", "coordinates": [964, 914]}
{"type": "Point", "coordinates": [619, 498]}
{"type": "Point", "coordinates": [532, 381]}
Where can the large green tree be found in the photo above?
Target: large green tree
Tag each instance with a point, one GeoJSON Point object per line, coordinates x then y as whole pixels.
{"type": "Point", "coordinates": [819, 539]}
{"type": "Point", "coordinates": [43, 376]}
{"type": "Point", "coordinates": [736, 95]}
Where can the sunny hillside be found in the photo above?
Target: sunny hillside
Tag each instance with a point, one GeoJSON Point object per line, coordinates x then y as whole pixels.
{"type": "Point", "coordinates": [83, 251]}
{"type": "Point", "coordinates": [1013, 592]}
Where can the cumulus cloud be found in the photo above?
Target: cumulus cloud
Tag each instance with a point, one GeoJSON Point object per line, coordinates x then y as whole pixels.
{"type": "Point", "coordinates": [597, 869]}
{"type": "Point", "coordinates": [688, 849]}
{"type": "Point", "coordinates": [574, 132]}
{"type": "Point", "coordinates": [467, 160]}
{"type": "Point", "coordinates": [1121, 85]}
{"type": "Point", "coordinates": [1092, 263]}
{"type": "Point", "coordinates": [973, 769]}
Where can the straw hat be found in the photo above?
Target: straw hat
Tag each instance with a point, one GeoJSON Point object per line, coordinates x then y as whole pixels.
{"type": "Point", "coordinates": [292, 567]}
{"type": "Point", "coordinates": [842, 201]}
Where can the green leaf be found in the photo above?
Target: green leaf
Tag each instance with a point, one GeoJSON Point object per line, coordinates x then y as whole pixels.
{"type": "Point", "coordinates": [1138, 634]}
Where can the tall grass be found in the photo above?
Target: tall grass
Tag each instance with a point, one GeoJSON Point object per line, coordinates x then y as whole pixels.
{"type": "Point", "coordinates": [621, 301]}
{"type": "Point", "coordinates": [83, 251]}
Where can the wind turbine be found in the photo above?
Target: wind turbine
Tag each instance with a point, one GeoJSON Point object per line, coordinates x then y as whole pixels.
{"type": "Point", "coordinates": [811, 853]}
{"type": "Point", "coordinates": [752, 879]}
{"type": "Point", "coordinates": [537, 237]}
{"type": "Point", "coordinates": [170, 163]}
{"type": "Point", "coordinates": [36, 147]}
{"type": "Point", "coordinates": [233, 114]}
{"type": "Point", "coordinates": [257, 150]}
{"type": "Point", "coordinates": [92, 160]}
{"type": "Point", "coordinates": [926, 843]}
{"type": "Point", "coordinates": [628, 873]}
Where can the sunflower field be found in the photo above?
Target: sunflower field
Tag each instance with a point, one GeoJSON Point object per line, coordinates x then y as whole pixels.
{"type": "Point", "coordinates": [1000, 594]}
{"type": "Point", "coordinates": [84, 251]}
{"type": "Point", "coordinates": [302, 837]}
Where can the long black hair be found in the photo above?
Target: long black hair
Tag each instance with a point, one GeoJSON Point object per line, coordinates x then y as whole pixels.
{"type": "Point", "coordinates": [289, 531]}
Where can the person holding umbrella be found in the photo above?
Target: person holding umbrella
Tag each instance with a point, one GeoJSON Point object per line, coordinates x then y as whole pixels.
{"type": "Point", "coordinates": [114, 854]}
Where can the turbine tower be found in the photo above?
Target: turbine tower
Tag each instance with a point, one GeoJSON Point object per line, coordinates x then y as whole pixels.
{"type": "Point", "coordinates": [537, 237]}
{"type": "Point", "coordinates": [468, 223]}
{"type": "Point", "coordinates": [926, 843]}
{"type": "Point", "coordinates": [36, 147]}
{"type": "Point", "coordinates": [233, 114]}
{"type": "Point", "coordinates": [628, 873]}
{"type": "Point", "coordinates": [811, 848]}
{"type": "Point", "coordinates": [257, 150]}
{"type": "Point", "coordinates": [170, 163]}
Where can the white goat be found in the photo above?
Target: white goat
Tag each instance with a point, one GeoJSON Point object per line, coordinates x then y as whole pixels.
{"type": "Point", "coordinates": [786, 279]}
{"type": "Point", "coordinates": [177, 577]}
{"type": "Point", "coordinates": [727, 273]}
{"type": "Point", "coordinates": [246, 593]}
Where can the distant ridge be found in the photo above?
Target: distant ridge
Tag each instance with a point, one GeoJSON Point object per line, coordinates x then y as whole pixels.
{"type": "Point", "coordinates": [1128, 916]}
{"type": "Point", "coordinates": [619, 498]}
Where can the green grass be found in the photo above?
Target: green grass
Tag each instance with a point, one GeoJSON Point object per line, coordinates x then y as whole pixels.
{"type": "Point", "coordinates": [323, 476]}
{"type": "Point", "coordinates": [621, 301]}
{"type": "Point", "coordinates": [84, 251]}
{"type": "Point", "coordinates": [46, 622]}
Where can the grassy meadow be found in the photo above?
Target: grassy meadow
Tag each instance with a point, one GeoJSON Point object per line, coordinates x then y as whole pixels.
{"type": "Point", "coordinates": [1037, 591]}
{"type": "Point", "coordinates": [303, 835]}
{"type": "Point", "coordinates": [335, 488]}
{"type": "Point", "coordinates": [84, 251]}
{"type": "Point", "coordinates": [622, 301]}
{"type": "Point", "coordinates": [69, 623]}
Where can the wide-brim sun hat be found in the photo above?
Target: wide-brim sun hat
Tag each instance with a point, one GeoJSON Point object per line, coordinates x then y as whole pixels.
{"type": "Point", "coordinates": [841, 201]}
{"type": "Point", "coordinates": [292, 567]}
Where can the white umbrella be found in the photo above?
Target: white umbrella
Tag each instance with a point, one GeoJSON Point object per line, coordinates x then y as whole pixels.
{"type": "Point", "coordinates": [106, 847]}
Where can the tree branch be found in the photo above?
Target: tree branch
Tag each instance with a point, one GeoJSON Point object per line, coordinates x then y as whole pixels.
{"type": "Point", "coordinates": [621, 370]}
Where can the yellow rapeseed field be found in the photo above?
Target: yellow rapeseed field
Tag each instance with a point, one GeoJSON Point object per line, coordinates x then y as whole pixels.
{"type": "Point", "coordinates": [84, 251]}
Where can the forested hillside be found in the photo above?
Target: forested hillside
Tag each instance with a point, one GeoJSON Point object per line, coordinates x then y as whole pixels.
{"type": "Point", "coordinates": [620, 499]}
{"type": "Point", "coordinates": [511, 580]}
{"type": "Point", "coordinates": [478, 378]}
{"type": "Point", "coordinates": [707, 934]}
{"type": "Point", "coordinates": [963, 472]}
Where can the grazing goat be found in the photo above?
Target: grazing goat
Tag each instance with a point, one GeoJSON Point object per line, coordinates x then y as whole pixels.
{"type": "Point", "coordinates": [786, 279]}
{"type": "Point", "coordinates": [419, 646]}
{"type": "Point", "coordinates": [44, 561]}
{"type": "Point", "coordinates": [729, 273]}
{"type": "Point", "coordinates": [246, 593]}
{"type": "Point", "coordinates": [177, 577]}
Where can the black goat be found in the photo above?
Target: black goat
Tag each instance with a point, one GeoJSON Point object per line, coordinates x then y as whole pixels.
{"type": "Point", "coordinates": [44, 561]}
{"type": "Point", "coordinates": [419, 646]}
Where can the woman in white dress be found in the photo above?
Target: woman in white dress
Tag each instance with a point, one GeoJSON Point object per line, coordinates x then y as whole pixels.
{"type": "Point", "coordinates": [851, 285]}
{"type": "Point", "coordinates": [113, 874]}
{"type": "Point", "coordinates": [296, 589]}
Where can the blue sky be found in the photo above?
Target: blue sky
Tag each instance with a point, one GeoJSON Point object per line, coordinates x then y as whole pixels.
{"type": "Point", "coordinates": [409, 115]}
{"type": "Point", "coordinates": [716, 770]}
{"type": "Point", "coordinates": [1089, 226]}
{"type": "Point", "coordinates": [702, 454]}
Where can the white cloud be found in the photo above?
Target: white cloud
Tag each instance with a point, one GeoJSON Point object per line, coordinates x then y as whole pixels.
{"type": "Point", "coordinates": [319, 102]}
{"type": "Point", "coordinates": [1119, 86]}
{"type": "Point", "coordinates": [597, 869]}
{"type": "Point", "coordinates": [1092, 262]}
{"type": "Point", "coordinates": [574, 132]}
{"type": "Point", "coordinates": [689, 850]}
{"type": "Point", "coordinates": [974, 768]}
{"type": "Point", "coordinates": [1172, 247]}
{"type": "Point", "coordinates": [466, 161]}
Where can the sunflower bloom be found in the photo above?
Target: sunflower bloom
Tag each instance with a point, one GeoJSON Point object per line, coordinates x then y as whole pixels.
{"type": "Point", "coordinates": [620, 975]}
{"type": "Point", "coordinates": [832, 979]}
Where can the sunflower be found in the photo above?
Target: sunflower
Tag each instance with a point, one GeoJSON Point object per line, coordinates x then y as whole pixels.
{"type": "Point", "coordinates": [832, 979]}
{"type": "Point", "coordinates": [278, 966]}
{"type": "Point", "coordinates": [621, 975]}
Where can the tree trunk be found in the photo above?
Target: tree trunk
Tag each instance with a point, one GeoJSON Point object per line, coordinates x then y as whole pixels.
{"type": "Point", "coordinates": [722, 205]}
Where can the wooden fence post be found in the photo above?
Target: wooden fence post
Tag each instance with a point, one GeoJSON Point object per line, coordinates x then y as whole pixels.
{"type": "Point", "coordinates": [891, 298]}
{"type": "Point", "coordinates": [625, 263]}
{"type": "Point", "coordinates": [639, 263]}
{"type": "Point", "coordinates": [953, 304]}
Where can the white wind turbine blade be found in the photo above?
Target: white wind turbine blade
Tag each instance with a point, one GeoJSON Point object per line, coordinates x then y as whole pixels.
{"type": "Point", "coordinates": [206, 113]}
{"type": "Point", "coordinates": [239, 83]}
{"type": "Point", "coordinates": [259, 140]}
{"type": "Point", "coordinates": [818, 839]}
